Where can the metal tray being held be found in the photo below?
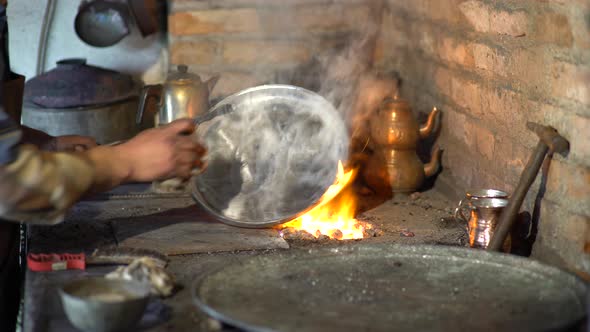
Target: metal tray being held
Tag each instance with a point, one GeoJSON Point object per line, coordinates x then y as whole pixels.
{"type": "Point", "coordinates": [272, 157]}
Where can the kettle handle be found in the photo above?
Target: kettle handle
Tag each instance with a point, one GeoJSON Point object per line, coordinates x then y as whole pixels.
{"type": "Point", "coordinates": [211, 82]}
{"type": "Point", "coordinates": [459, 215]}
{"type": "Point", "coordinates": [147, 92]}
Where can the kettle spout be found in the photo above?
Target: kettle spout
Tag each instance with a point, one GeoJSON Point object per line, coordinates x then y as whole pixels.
{"type": "Point", "coordinates": [430, 124]}
{"type": "Point", "coordinates": [212, 82]}
{"type": "Point", "coordinates": [432, 167]}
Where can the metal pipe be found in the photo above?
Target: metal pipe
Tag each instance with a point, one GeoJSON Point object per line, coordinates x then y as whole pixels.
{"type": "Point", "coordinates": [46, 24]}
{"type": "Point", "coordinates": [511, 210]}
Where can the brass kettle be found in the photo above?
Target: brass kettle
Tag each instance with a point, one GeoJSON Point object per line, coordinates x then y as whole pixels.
{"type": "Point", "coordinates": [183, 95]}
{"type": "Point", "coordinates": [395, 134]}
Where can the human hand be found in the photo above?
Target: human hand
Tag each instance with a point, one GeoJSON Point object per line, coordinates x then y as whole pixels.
{"type": "Point", "coordinates": [72, 143]}
{"type": "Point", "coordinates": [162, 153]}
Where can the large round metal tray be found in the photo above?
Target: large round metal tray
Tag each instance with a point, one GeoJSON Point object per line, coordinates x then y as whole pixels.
{"type": "Point", "coordinates": [271, 157]}
{"type": "Point", "coordinates": [385, 287]}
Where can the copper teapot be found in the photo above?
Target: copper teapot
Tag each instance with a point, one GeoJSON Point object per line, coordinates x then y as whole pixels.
{"type": "Point", "coordinates": [395, 134]}
{"type": "Point", "coordinates": [182, 95]}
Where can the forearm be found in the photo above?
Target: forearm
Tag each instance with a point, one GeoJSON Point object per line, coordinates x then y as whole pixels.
{"type": "Point", "coordinates": [111, 167]}
{"type": "Point", "coordinates": [39, 187]}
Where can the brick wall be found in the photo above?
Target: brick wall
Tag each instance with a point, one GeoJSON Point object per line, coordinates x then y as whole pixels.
{"type": "Point", "coordinates": [251, 42]}
{"type": "Point", "coordinates": [491, 66]}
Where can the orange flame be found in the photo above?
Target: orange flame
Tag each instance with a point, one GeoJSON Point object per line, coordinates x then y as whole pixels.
{"type": "Point", "coordinates": [334, 214]}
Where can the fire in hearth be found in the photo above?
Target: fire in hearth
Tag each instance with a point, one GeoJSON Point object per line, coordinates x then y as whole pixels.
{"type": "Point", "coordinates": [334, 215]}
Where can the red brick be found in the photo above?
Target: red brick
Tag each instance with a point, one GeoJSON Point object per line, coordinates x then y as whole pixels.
{"type": "Point", "coordinates": [509, 158]}
{"type": "Point", "coordinates": [485, 142]}
{"type": "Point", "coordinates": [443, 10]}
{"type": "Point", "coordinates": [509, 23]}
{"type": "Point", "coordinates": [180, 5]}
{"type": "Point", "coordinates": [393, 35]}
{"type": "Point", "coordinates": [573, 127]}
{"type": "Point", "coordinates": [477, 14]}
{"type": "Point", "coordinates": [508, 111]}
{"type": "Point", "coordinates": [437, 10]}
{"type": "Point", "coordinates": [571, 81]}
{"type": "Point", "coordinates": [489, 59]}
{"type": "Point", "coordinates": [455, 51]}
{"type": "Point", "coordinates": [318, 18]}
{"type": "Point", "coordinates": [492, 181]}
{"type": "Point", "coordinates": [442, 79]}
{"type": "Point", "coordinates": [193, 52]}
{"type": "Point", "coordinates": [580, 138]}
{"type": "Point", "coordinates": [416, 7]}
{"type": "Point", "coordinates": [462, 172]}
{"type": "Point", "coordinates": [553, 28]}
{"type": "Point", "coordinates": [232, 82]}
{"type": "Point", "coordinates": [531, 67]}
{"type": "Point", "coordinates": [569, 184]}
{"type": "Point", "coordinates": [518, 158]}
{"type": "Point", "coordinates": [561, 237]}
{"type": "Point", "coordinates": [470, 134]}
{"type": "Point", "coordinates": [454, 124]}
{"type": "Point", "coordinates": [580, 27]}
{"type": "Point", "coordinates": [467, 95]}
{"type": "Point", "coordinates": [500, 105]}
{"type": "Point", "coordinates": [264, 52]}
{"type": "Point", "coordinates": [427, 40]}
{"type": "Point", "coordinates": [483, 18]}
{"type": "Point", "coordinates": [202, 22]}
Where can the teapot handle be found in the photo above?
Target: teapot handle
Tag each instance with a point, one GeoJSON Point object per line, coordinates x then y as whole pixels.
{"type": "Point", "coordinates": [147, 92]}
{"type": "Point", "coordinates": [211, 82]}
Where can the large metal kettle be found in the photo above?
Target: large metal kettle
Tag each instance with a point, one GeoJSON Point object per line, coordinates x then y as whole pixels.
{"type": "Point", "coordinates": [182, 95]}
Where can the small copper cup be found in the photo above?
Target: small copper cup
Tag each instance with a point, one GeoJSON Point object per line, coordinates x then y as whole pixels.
{"type": "Point", "coordinates": [483, 220]}
{"type": "Point", "coordinates": [465, 205]}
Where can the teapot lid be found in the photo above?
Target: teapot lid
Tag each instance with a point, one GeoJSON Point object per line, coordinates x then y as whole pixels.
{"type": "Point", "coordinates": [395, 102]}
{"type": "Point", "coordinates": [183, 75]}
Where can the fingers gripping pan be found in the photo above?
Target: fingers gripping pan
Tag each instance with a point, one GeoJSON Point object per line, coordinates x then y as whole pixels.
{"type": "Point", "coordinates": [270, 158]}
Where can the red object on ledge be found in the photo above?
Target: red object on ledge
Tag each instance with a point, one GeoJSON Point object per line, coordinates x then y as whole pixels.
{"type": "Point", "coordinates": [56, 262]}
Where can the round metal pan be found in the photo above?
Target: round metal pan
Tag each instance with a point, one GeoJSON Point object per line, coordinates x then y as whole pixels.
{"type": "Point", "coordinates": [271, 157]}
{"type": "Point", "coordinates": [386, 287]}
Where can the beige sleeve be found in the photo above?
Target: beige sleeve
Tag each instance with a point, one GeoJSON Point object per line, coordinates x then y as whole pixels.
{"type": "Point", "coordinates": [39, 187]}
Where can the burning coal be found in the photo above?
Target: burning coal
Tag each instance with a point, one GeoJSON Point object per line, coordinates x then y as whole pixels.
{"type": "Point", "coordinates": [334, 215]}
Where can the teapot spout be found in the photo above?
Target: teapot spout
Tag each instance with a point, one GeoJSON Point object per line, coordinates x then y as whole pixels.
{"type": "Point", "coordinates": [430, 124]}
{"type": "Point", "coordinates": [432, 167]}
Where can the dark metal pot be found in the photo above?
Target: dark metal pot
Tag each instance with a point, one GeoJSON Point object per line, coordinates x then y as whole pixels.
{"type": "Point", "coordinates": [77, 99]}
{"type": "Point", "coordinates": [73, 83]}
{"type": "Point", "coordinates": [106, 124]}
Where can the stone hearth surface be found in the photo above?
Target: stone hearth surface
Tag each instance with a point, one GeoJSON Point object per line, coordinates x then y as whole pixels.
{"type": "Point", "coordinates": [91, 224]}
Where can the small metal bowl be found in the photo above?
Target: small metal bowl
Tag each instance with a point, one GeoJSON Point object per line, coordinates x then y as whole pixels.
{"type": "Point", "coordinates": [104, 305]}
{"type": "Point", "coordinates": [102, 23]}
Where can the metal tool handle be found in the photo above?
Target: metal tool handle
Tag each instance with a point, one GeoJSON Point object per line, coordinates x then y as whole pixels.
{"type": "Point", "coordinates": [146, 93]}
{"type": "Point", "coordinates": [215, 112]}
{"type": "Point", "coordinates": [509, 213]}
{"type": "Point", "coordinates": [549, 141]}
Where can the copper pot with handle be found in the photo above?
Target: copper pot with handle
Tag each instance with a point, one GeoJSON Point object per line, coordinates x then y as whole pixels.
{"type": "Point", "coordinates": [183, 95]}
